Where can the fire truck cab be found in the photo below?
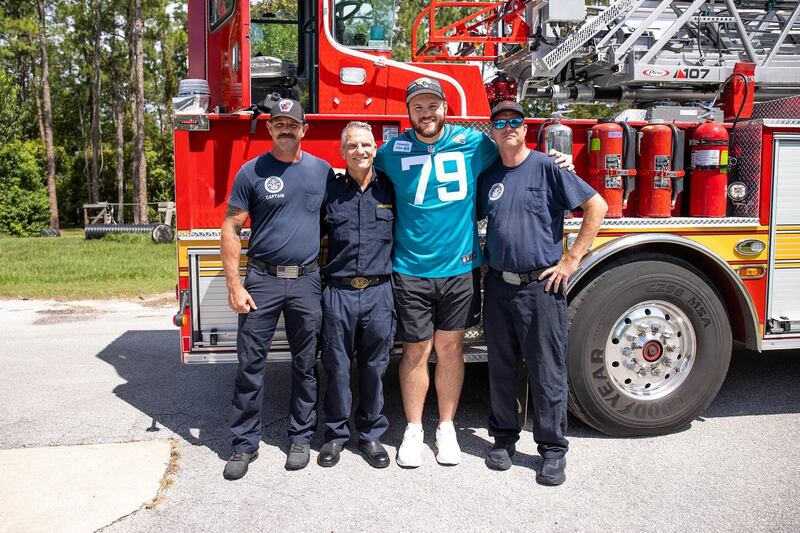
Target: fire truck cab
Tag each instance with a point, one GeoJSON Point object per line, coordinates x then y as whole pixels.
{"type": "Point", "coordinates": [658, 302]}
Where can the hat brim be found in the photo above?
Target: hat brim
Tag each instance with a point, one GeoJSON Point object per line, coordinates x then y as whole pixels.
{"type": "Point", "coordinates": [510, 110]}
{"type": "Point", "coordinates": [286, 115]}
{"type": "Point", "coordinates": [424, 91]}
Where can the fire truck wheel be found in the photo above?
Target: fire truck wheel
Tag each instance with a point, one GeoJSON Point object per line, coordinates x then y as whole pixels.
{"type": "Point", "coordinates": [649, 347]}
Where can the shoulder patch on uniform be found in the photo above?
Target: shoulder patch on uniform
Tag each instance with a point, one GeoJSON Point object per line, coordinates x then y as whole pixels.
{"type": "Point", "coordinates": [460, 139]}
{"type": "Point", "coordinates": [401, 146]}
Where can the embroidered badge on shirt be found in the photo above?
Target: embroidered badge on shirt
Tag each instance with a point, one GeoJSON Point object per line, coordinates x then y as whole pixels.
{"type": "Point", "coordinates": [496, 191]}
{"type": "Point", "coordinates": [273, 184]}
{"type": "Point", "coordinates": [460, 139]}
{"type": "Point", "coordinates": [431, 148]}
{"type": "Point", "coordinates": [402, 146]}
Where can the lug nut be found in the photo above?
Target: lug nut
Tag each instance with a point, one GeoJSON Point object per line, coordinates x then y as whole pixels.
{"type": "Point", "coordinates": [666, 361]}
{"type": "Point", "coordinates": [643, 372]}
{"type": "Point", "coordinates": [655, 327]}
{"type": "Point", "coordinates": [631, 365]}
{"type": "Point", "coordinates": [666, 335]}
{"type": "Point", "coordinates": [655, 371]}
{"type": "Point", "coordinates": [626, 351]}
{"type": "Point", "coordinates": [671, 347]}
{"type": "Point", "coordinates": [642, 328]}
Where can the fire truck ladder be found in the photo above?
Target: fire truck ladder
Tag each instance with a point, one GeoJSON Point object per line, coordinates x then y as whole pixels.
{"type": "Point", "coordinates": [653, 50]}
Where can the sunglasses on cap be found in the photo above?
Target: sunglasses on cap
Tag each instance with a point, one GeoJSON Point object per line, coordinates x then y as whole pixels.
{"type": "Point", "coordinates": [500, 123]}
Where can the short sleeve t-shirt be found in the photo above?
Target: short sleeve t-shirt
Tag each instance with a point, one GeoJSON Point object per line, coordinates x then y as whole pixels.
{"type": "Point", "coordinates": [525, 209]}
{"type": "Point", "coordinates": [435, 185]}
{"type": "Point", "coordinates": [283, 200]}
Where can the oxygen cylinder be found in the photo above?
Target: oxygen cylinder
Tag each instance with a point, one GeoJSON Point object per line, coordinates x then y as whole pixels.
{"type": "Point", "coordinates": [660, 176]}
{"type": "Point", "coordinates": [555, 136]}
{"type": "Point", "coordinates": [609, 174]}
{"type": "Point", "coordinates": [709, 164]}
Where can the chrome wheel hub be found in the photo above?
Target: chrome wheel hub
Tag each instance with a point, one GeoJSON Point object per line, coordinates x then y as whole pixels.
{"type": "Point", "coordinates": [651, 350]}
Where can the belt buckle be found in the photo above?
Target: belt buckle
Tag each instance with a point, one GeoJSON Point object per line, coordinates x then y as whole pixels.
{"type": "Point", "coordinates": [288, 272]}
{"type": "Point", "coordinates": [359, 283]}
{"type": "Point", "coordinates": [512, 278]}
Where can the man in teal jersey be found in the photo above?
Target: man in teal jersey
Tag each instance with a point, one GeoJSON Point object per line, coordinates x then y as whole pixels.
{"type": "Point", "coordinates": [434, 168]}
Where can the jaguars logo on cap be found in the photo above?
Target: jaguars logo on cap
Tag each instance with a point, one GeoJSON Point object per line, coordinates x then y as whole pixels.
{"type": "Point", "coordinates": [496, 191]}
{"type": "Point", "coordinates": [274, 184]}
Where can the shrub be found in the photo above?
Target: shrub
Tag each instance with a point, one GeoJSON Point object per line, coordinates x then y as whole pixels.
{"type": "Point", "coordinates": [24, 209]}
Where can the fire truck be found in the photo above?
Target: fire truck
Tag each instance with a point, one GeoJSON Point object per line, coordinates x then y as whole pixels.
{"type": "Point", "coordinates": [701, 245]}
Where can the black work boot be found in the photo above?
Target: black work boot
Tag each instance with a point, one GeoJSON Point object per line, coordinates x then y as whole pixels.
{"type": "Point", "coordinates": [500, 455]}
{"type": "Point", "coordinates": [236, 467]}
{"type": "Point", "coordinates": [298, 457]}
{"type": "Point", "coordinates": [375, 453]}
{"type": "Point", "coordinates": [329, 454]}
{"type": "Point", "coordinates": [552, 472]}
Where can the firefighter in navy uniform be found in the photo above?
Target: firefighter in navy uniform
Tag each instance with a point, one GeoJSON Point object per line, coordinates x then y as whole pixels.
{"type": "Point", "coordinates": [358, 306]}
{"type": "Point", "coordinates": [524, 195]}
{"type": "Point", "coordinates": [282, 192]}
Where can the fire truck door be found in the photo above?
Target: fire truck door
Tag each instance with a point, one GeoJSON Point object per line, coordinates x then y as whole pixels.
{"type": "Point", "coordinates": [783, 298]}
{"type": "Point", "coordinates": [228, 53]}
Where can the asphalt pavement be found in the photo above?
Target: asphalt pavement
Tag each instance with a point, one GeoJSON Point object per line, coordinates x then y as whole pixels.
{"type": "Point", "coordinates": [109, 372]}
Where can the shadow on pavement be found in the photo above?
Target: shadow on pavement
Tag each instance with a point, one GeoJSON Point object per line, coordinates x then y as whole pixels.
{"type": "Point", "coordinates": [193, 400]}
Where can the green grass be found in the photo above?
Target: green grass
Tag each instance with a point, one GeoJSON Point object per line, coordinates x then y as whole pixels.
{"type": "Point", "coordinates": [70, 267]}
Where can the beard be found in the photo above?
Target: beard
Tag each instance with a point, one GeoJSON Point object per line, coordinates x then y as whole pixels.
{"type": "Point", "coordinates": [421, 129]}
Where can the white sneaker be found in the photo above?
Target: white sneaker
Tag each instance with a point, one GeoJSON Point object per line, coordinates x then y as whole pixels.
{"type": "Point", "coordinates": [409, 455]}
{"type": "Point", "coordinates": [448, 452]}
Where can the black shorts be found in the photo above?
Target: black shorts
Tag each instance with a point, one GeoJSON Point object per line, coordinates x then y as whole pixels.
{"type": "Point", "coordinates": [425, 305]}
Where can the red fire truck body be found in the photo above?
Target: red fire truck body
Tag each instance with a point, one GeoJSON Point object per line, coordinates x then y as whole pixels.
{"type": "Point", "coordinates": [654, 306]}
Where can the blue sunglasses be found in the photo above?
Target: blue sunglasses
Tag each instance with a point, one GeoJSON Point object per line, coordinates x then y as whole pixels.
{"type": "Point", "coordinates": [500, 123]}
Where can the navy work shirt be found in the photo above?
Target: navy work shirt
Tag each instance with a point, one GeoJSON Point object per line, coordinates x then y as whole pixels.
{"type": "Point", "coordinates": [359, 225]}
{"type": "Point", "coordinates": [525, 208]}
{"type": "Point", "coordinates": [283, 200]}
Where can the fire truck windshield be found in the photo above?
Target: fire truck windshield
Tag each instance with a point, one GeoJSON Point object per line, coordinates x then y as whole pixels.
{"type": "Point", "coordinates": [367, 24]}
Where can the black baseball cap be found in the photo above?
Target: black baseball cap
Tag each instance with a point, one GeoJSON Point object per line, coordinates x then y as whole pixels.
{"type": "Point", "coordinates": [424, 86]}
{"type": "Point", "coordinates": [288, 108]}
{"type": "Point", "coordinates": [507, 105]}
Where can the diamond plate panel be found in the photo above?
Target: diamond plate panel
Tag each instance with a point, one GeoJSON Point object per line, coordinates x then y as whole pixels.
{"type": "Point", "coordinates": [483, 126]}
{"type": "Point", "coordinates": [747, 150]}
{"type": "Point", "coordinates": [782, 108]}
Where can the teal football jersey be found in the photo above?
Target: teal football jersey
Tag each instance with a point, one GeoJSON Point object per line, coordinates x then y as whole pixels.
{"type": "Point", "coordinates": [436, 233]}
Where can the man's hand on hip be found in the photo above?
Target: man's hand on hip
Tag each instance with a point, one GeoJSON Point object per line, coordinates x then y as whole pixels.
{"type": "Point", "coordinates": [559, 274]}
{"type": "Point", "coordinates": [240, 300]}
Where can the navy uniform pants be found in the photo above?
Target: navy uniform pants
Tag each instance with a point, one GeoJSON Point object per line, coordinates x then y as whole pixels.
{"type": "Point", "coordinates": [525, 322]}
{"type": "Point", "coordinates": [299, 300]}
{"type": "Point", "coordinates": [360, 325]}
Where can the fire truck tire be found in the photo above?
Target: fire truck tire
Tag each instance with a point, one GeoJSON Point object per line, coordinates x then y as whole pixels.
{"type": "Point", "coordinates": [649, 347]}
{"type": "Point", "coordinates": [163, 233]}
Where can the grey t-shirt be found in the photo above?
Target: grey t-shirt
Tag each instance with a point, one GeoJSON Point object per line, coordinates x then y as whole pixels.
{"type": "Point", "coordinates": [283, 200]}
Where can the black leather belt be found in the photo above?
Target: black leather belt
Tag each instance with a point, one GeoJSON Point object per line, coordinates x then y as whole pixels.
{"type": "Point", "coordinates": [281, 271]}
{"type": "Point", "coordinates": [359, 282]}
{"type": "Point", "coordinates": [518, 278]}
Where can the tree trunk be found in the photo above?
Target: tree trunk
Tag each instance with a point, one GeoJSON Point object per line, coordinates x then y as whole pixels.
{"type": "Point", "coordinates": [139, 153]}
{"type": "Point", "coordinates": [50, 158]}
{"type": "Point", "coordinates": [134, 122]}
{"type": "Point", "coordinates": [118, 108]}
{"type": "Point", "coordinates": [119, 123]}
{"type": "Point", "coordinates": [94, 180]}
